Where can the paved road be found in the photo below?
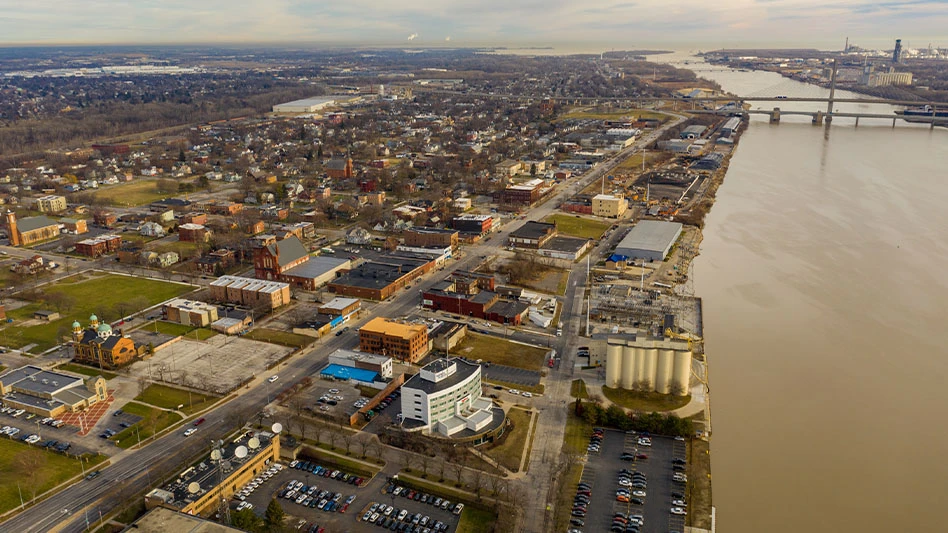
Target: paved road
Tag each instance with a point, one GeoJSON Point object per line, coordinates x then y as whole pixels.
{"type": "Point", "coordinates": [132, 472]}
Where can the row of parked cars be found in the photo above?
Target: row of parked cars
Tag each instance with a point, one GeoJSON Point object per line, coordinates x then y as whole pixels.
{"type": "Point", "coordinates": [442, 503]}
{"type": "Point", "coordinates": [252, 485]}
{"type": "Point", "coordinates": [623, 523]}
{"type": "Point", "coordinates": [310, 496]}
{"type": "Point", "coordinates": [395, 519]}
{"type": "Point", "coordinates": [16, 413]}
{"type": "Point", "coordinates": [319, 470]}
{"type": "Point", "coordinates": [595, 441]}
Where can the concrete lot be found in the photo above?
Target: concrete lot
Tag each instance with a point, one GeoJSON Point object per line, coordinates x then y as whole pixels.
{"type": "Point", "coordinates": [216, 365]}
{"type": "Point", "coordinates": [602, 471]}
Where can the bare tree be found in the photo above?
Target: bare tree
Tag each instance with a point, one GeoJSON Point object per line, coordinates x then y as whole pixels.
{"type": "Point", "coordinates": [142, 384]}
{"type": "Point", "coordinates": [405, 460]}
{"type": "Point", "coordinates": [29, 465]}
{"type": "Point", "coordinates": [378, 449]}
{"type": "Point", "coordinates": [497, 486]}
{"type": "Point", "coordinates": [424, 461]}
{"type": "Point", "coordinates": [458, 470]}
{"type": "Point", "coordinates": [333, 438]}
{"type": "Point", "coordinates": [442, 466]}
{"type": "Point", "coordinates": [301, 424]}
{"type": "Point", "coordinates": [363, 442]}
{"type": "Point", "coordinates": [477, 480]}
{"type": "Point", "coordinates": [347, 439]}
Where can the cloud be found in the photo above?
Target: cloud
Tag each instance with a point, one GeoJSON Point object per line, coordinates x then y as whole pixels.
{"type": "Point", "coordinates": [620, 23]}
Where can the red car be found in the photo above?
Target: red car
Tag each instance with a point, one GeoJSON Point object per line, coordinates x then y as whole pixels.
{"type": "Point", "coordinates": [199, 421]}
{"type": "Point", "coordinates": [641, 456]}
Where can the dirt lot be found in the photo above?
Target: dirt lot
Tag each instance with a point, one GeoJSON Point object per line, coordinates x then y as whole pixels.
{"type": "Point", "coordinates": [216, 365]}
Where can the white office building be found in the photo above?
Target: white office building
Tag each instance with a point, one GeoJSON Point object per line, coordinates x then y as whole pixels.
{"type": "Point", "coordinates": [445, 397]}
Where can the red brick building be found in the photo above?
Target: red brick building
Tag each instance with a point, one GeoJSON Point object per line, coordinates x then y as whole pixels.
{"type": "Point", "coordinates": [193, 233]}
{"type": "Point", "coordinates": [431, 237]}
{"type": "Point", "coordinates": [104, 218]}
{"type": "Point", "coordinates": [98, 246]}
{"type": "Point", "coordinates": [194, 218]}
{"type": "Point", "coordinates": [339, 168]}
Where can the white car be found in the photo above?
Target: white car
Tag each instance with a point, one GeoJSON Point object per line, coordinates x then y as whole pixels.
{"type": "Point", "coordinates": [679, 503]}
{"type": "Point", "coordinates": [643, 442]}
{"type": "Point", "coordinates": [273, 378]}
{"type": "Point", "coordinates": [190, 431]}
{"type": "Point", "coordinates": [333, 391]}
{"type": "Point", "coordinates": [640, 494]}
{"type": "Point", "coordinates": [526, 394]}
{"type": "Point", "coordinates": [514, 391]}
{"type": "Point", "coordinates": [677, 510]}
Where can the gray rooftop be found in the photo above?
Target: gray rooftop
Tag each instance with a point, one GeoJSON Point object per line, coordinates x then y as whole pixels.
{"type": "Point", "coordinates": [652, 235]}
{"type": "Point", "coordinates": [34, 380]}
{"type": "Point", "coordinates": [32, 223]}
{"type": "Point", "coordinates": [316, 267]}
{"type": "Point", "coordinates": [290, 249]}
{"type": "Point", "coordinates": [533, 230]}
{"type": "Point", "coordinates": [463, 372]}
{"type": "Point", "coordinates": [561, 243]}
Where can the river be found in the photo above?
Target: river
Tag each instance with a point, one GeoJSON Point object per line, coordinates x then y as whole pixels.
{"type": "Point", "coordinates": [823, 275]}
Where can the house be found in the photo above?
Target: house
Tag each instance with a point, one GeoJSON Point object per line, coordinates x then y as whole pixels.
{"type": "Point", "coordinates": [167, 259]}
{"type": "Point", "coordinates": [151, 229]}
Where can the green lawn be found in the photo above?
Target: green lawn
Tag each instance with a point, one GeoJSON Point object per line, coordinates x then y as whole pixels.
{"type": "Point", "coordinates": [576, 438]}
{"type": "Point", "coordinates": [509, 452]}
{"type": "Point", "coordinates": [170, 328]}
{"type": "Point", "coordinates": [577, 389]}
{"type": "Point", "coordinates": [139, 192]}
{"type": "Point", "coordinates": [699, 484]}
{"type": "Point", "coordinates": [85, 370]}
{"type": "Point", "coordinates": [170, 398]}
{"type": "Point", "coordinates": [500, 351]}
{"type": "Point", "coordinates": [645, 401]}
{"type": "Point", "coordinates": [50, 469]}
{"type": "Point", "coordinates": [578, 226]}
{"type": "Point", "coordinates": [102, 295]}
{"type": "Point", "coordinates": [567, 491]}
{"type": "Point", "coordinates": [474, 520]}
{"type": "Point", "coordinates": [143, 428]}
{"type": "Point", "coordinates": [283, 338]}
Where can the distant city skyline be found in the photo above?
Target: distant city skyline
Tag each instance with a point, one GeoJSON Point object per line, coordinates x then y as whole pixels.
{"type": "Point", "coordinates": [616, 24]}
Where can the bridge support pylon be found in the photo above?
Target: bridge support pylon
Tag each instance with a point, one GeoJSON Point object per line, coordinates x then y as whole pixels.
{"type": "Point", "coordinates": [775, 116]}
{"type": "Point", "coordinates": [818, 118]}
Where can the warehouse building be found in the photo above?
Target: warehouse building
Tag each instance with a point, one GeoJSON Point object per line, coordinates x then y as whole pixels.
{"type": "Point", "coordinates": [343, 307]}
{"type": "Point", "coordinates": [378, 364]}
{"type": "Point", "coordinates": [48, 393]}
{"type": "Point", "coordinates": [650, 240]}
{"type": "Point", "coordinates": [381, 278]}
{"type": "Point", "coordinates": [306, 105]}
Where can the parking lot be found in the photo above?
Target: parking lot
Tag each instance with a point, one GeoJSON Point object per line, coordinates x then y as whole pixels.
{"type": "Point", "coordinates": [602, 474]}
{"type": "Point", "coordinates": [509, 374]}
{"type": "Point", "coordinates": [63, 439]}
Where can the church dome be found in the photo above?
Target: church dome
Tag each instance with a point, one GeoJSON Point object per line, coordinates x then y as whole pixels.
{"type": "Point", "coordinates": [104, 328]}
{"type": "Point", "coordinates": [93, 318]}
{"type": "Point", "coordinates": [76, 325]}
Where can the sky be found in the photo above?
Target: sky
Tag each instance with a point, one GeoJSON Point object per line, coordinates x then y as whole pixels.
{"type": "Point", "coordinates": [617, 24]}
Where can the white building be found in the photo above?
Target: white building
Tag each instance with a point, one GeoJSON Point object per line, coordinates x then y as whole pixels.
{"type": "Point", "coordinates": [446, 397]}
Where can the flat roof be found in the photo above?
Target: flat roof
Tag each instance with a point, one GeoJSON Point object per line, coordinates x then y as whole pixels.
{"type": "Point", "coordinates": [463, 371]}
{"type": "Point", "coordinates": [561, 243]}
{"type": "Point", "coordinates": [315, 100]}
{"type": "Point", "coordinates": [316, 267]}
{"type": "Point", "coordinates": [651, 235]}
{"type": "Point", "coordinates": [390, 327]}
{"type": "Point", "coordinates": [339, 303]}
{"type": "Point", "coordinates": [348, 372]}
{"type": "Point", "coordinates": [33, 379]}
{"type": "Point", "coordinates": [533, 230]}
{"type": "Point", "coordinates": [380, 273]}
{"type": "Point", "coordinates": [361, 356]}
{"type": "Point", "coordinates": [162, 520]}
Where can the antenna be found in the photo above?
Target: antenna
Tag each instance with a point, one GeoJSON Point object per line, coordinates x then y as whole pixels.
{"type": "Point", "coordinates": [277, 427]}
{"type": "Point", "coordinates": [240, 452]}
{"type": "Point", "coordinates": [253, 443]}
{"type": "Point", "coordinates": [194, 487]}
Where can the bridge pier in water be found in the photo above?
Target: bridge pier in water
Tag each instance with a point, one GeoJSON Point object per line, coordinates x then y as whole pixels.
{"type": "Point", "coordinates": [818, 118]}
{"type": "Point", "coordinates": [775, 116]}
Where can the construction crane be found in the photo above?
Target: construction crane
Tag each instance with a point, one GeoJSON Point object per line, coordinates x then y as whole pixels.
{"type": "Point", "coordinates": [671, 334]}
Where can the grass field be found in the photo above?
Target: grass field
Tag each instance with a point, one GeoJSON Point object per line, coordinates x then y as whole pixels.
{"type": "Point", "coordinates": [170, 398]}
{"type": "Point", "coordinates": [474, 520]}
{"type": "Point", "coordinates": [144, 428]}
{"type": "Point", "coordinates": [283, 338]}
{"type": "Point", "coordinates": [85, 370]}
{"type": "Point", "coordinates": [501, 351]}
{"type": "Point", "coordinates": [509, 452]}
{"type": "Point", "coordinates": [564, 499]}
{"type": "Point", "coordinates": [170, 328]}
{"type": "Point", "coordinates": [102, 295]}
{"type": "Point", "coordinates": [576, 438]}
{"type": "Point", "coordinates": [699, 484]}
{"type": "Point", "coordinates": [139, 192]}
{"type": "Point", "coordinates": [577, 389]}
{"type": "Point", "coordinates": [583, 228]}
{"type": "Point", "coordinates": [645, 401]}
{"type": "Point", "coordinates": [51, 469]}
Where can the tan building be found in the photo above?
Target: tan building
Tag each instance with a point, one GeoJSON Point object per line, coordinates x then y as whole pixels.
{"type": "Point", "coordinates": [403, 341]}
{"type": "Point", "coordinates": [76, 226]}
{"type": "Point", "coordinates": [431, 237]}
{"type": "Point", "coordinates": [201, 491]}
{"type": "Point", "coordinates": [47, 393]}
{"type": "Point", "coordinates": [189, 312]}
{"type": "Point", "coordinates": [30, 230]}
{"type": "Point", "coordinates": [609, 206]}
{"type": "Point", "coordinates": [341, 306]}
{"type": "Point", "coordinates": [250, 292]}
{"type": "Point", "coordinates": [99, 346]}
{"type": "Point", "coordinates": [51, 204]}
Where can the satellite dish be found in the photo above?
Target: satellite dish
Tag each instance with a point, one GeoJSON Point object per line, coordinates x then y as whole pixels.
{"type": "Point", "coordinates": [277, 427]}
{"type": "Point", "coordinates": [241, 452]}
{"type": "Point", "coordinates": [254, 443]}
{"type": "Point", "coordinates": [216, 455]}
{"type": "Point", "coordinates": [194, 487]}
{"type": "Point", "coordinates": [225, 465]}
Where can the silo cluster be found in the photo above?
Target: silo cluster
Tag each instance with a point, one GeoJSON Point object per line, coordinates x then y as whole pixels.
{"type": "Point", "coordinates": [665, 366]}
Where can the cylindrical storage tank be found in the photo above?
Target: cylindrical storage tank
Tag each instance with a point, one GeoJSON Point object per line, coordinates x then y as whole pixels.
{"type": "Point", "coordinates": [613, 365]}
{"type": "Point", "coordinates": [663, 374]}
{"type": "Point", "coordinates": [641, 354]}
{"type": "Point", "coordinates": [628, 367]}
{"type": "Point", "coordinates": [682, 374]}
{"type": "Point", "coordinates": [651, 363]}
